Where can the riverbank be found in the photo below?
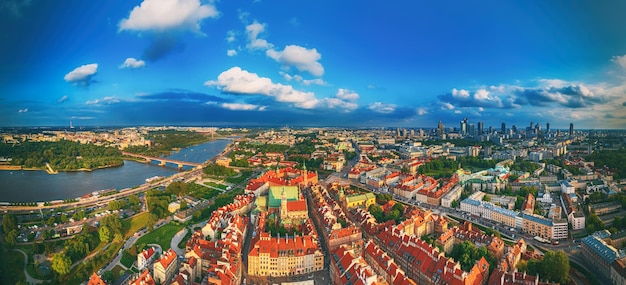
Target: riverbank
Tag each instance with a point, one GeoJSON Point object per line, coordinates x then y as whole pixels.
{"type": "Point", "coordinates": [49, 169]}
{"type": "Point", "coordinates": [25, 186]}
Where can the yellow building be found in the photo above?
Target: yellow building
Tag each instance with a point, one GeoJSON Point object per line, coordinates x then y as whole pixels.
{"type": "Point", "coordinates": [285, 256]}
{"type": "Point", "coordinates": [361, 200]}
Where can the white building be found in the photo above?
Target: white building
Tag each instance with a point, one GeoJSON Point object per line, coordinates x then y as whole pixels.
{"type": "Point", "coordinates": [451, 196]}
{"type": "Point", "coordinates": [145, 258]}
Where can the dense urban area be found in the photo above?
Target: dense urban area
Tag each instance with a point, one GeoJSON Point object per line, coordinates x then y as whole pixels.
{"type": "Point", "coordinates": [466, 204]}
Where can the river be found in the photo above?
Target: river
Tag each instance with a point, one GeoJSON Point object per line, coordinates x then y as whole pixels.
{"type": "Point", "coordinates": [25, 186]}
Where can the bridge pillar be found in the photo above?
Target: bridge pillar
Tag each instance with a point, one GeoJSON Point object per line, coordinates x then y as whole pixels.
{"type": "Point", "coordinates": [180, 166]}
{"type": "Point", "coordinates": [162, 163]}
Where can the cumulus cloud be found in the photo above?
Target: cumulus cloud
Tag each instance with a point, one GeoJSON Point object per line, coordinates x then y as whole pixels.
{"type": "Point", "coordinates": [307, 82]}
{"type": "Point", "coordinates": [303, 59]}
{"type": "Point", "coordinates": [621, 60]}
{"type": "Point", "coordinates": [345, 94]}
{"type": "Point", "coordinates": [460, 93]}
{"type": "Point", "coordinates": [242, 107]}
{"type": "Point", "coordinates": [238, 81]}
{"type": "Point", "coordinates": [336, 103]}
{"type": "Point", "coordinates": [252, 32]}
{"type": "Point", "coordinates": [82, 74]}
{"type": "Point", "coordinates": [230, 36]}
{"type": "Point", "coordinates": [382, 108]}
{"type": "Point", "coordinates": [167, 15]}
{"type": "Point", "coordinates": [63, 99]}
{"type": "Point", "coordinates": [22, 110]}
{"type": "Point", "coordinates": [105, 100]}
{"type": "Point", "coordinates": [165, 21]}
{"type": "Point", "coordinates": [133, 63]}
{"type": "Point", "coordinates": [422, 111]}
{"type": "Point", "coordinates": [231, 52]}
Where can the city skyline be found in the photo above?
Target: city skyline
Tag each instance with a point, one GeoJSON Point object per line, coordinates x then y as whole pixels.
{"type": "Point", "coordinates": [191, 62]}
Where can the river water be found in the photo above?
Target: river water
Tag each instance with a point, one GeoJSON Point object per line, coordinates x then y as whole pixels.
{"type": "Point", "coordinates": [23, 186]}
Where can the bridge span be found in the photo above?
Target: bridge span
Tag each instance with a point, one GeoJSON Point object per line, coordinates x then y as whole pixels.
{"type": "Point", "coordinates": [162, 161]}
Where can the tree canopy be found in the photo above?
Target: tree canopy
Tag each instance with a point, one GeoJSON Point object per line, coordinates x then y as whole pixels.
{"type": "Point", "coordinates": [61, 263]}
{"type": "Point", "coordinates": [554, 266]}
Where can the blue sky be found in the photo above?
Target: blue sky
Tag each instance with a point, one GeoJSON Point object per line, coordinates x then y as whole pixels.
{"type": "Point", "coordinates": [312, 63]}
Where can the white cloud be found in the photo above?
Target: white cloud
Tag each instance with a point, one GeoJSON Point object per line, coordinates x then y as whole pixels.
{"type": "Point", "coordinates": [422, 111]}
{"type": "Point", "coordinates": [383, 108]}
{"type": "Point", "coordinates": [133, 63]}
{"type": "Point", "coordinates": [460, 93]}
{"type": "Point", "coordinates": [253, 31]}
{"type": "Point", "coordinates": [230, 36]}
{"type": "Point", "coordinates": [105, 100]}
{"type": "Point", "coordinates": [164, 15]}
{"type": "Point", "coordinates": [457, 112]}
{"type": "Point", "coordinates": [22, 110]}
{"type": "Point", "coordinates": [481, 109]}
{"type": "Point", "coordinates": [481, 94]}
{"type": "Point", "coordinates": [446, 106]}
{"type": "Point", "coordinates": [63, 99]}
{"type": "Point", "coordinates": [307, 82]}
{"type": "Point", "coordinates": [345, 94]}
{"type": "Point", "coordinates": [621, 60]}
{"type": "Point", "coordinates": [238, 81]}
{"type": "Point", "coordinates": [82, 74]}
{"type": "Point", "coordinates": [371, 86]}
{"type": "Point", "coordinates": [231, 52]}
{"type": "Point", "coordinates": [334, 102]}
{"type": "Point", "coordinates": [301, 58]}
{"type": "Point", "coordinates": [242, 107]}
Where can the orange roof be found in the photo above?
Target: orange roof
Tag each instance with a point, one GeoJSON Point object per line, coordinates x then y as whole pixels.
{"type": "Point", "coordinates": [96, 280]}
{"type": "Point", "coordinates": [167, 258]}
{"type": "Point", "coordinates": [299, 205]}
{"type": "Point", "coordinates": [147, 253]}
{"type": "Point", "coordinates": [144, 279]}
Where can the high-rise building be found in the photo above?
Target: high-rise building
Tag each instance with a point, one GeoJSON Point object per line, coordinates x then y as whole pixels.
{"type": "Point", "coordinates": [503, 128]}
{"type": "Point", "coordinates": [440, 128]}
{"type": "Point", "coordinates": [464, 126]}
{"type": "Point", "coordinates": [514, 129]}
{"type": "Point", "coordinates": [571, 130]}
{"type": "Point", "coordinates": [547, 128]}
{"type": "Point", "coordinates": [481, 126]}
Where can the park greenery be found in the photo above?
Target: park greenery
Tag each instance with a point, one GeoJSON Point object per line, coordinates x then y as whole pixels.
{"type": "Point", "coordinates": [396, 213]}
{"type": "Point", "coordinates": [467, 253]}
{"type": "Point", "coordinates": [157, 202]}
{"type": "Point", "coordinates": [61, 155]}
{"type": "Point", "coordinates": [613, 159]}
{"type": "Point", "coordinates": [554, 266]}
{"type": "Point", "coordinates": [9, 228]}
{"type": "Point", "coordinates": [524, 166]}
{"type": "Point", "coordinates": [215, 170]}
{"type": "Point", "coordinates": [166, 141]}
{"type": "Point", "coordinates": [438, 168]}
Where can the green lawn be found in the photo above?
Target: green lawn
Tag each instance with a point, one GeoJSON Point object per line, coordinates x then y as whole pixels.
{"type": "Point", "coordinates": [127, 259]}
{"type": "Point", "coordinates": [15, 267]}
{"type": "Point", "coordinates": [131, 225]}
{"type": "Point", "coordinates": [220, 186]}
{"type": "Point", "coordinates": [245, 174]}
{"type": "Point", "coordinates": [117, 270]}
{"type": "Point", "coordinates": [161, 236]}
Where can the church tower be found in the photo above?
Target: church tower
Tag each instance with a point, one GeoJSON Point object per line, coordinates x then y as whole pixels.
{"type": "Point", "coordinates": [283, 204]}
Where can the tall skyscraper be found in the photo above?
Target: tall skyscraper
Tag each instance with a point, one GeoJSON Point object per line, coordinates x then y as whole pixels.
{"type": "Point", "coordinates": [503, 128]}
{"type": "Point", "coordinates": [571, 130]}
{"type": "Point", "coordinates": [440, 128]}
{"type": "Point", "coordinates": [464, 126]}
{"type": "Point", "coordinates": [547, 128]}
{"type": "Point", "coordinates": [481, 126]}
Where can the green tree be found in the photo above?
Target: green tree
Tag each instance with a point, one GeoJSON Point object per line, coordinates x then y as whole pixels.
{"type": "Point", "coordinates": [108, 276]}
{"type": "Point", "coordinates": [152, 219]}
{"type": "Point", "coordinates": [64, 218]}
{"type": "Point", "coordinates": [9, 222]}
{"type": "Point", "coordinates": [51, 221]}
{"type": "Point", "coordinates": [183, 205]}
{"type": "Point", "coordinates": [11, 237]}
{"type": "Point", "coordinates": [61, 263]}
{"type": "Point", "coordinates": [556, 265]}
{"type": "Point", "coordinates": [133, 199]}
{"type": "Point", "coordinates": [117, 237]}
{"type": "Point", "coordinates": [178, 188]}
{"type": "Point", "coordinates": [104, 233]}
{"type": "Point", "coordinates": [114, 205]}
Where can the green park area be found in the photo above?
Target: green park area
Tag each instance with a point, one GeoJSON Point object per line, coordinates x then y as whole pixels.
{"type": "Point", "coordinates": [135, 223]}
{"type": "Point", "coordinates": [161, 236]}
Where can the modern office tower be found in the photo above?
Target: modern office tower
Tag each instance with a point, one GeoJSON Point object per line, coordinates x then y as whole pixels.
{"type": "Point", "coordinates": [464, 126]}
{"type": "Point", "coordinates": [481, 126]}
{"type": "Point", "coordinates": [547, 128]}
{"type": "Point", "coordinates": [490, 130]}
{"type": "Point", "coordinates": [532, 124]}
{"type": "Point", "coordinates": [503, 128]}
{"type": "Point", "coordinates": [440, 128]}
{"type": "Point", "coordinates": [571, 130]}
{"type": "Point", "coordinates": [514, 129]}
{"type": "Point", "coordinates": [471, 129]}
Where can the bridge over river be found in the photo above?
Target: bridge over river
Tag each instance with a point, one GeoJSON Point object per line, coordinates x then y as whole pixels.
{"type": "Point", "coordinates": [162, 161]}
